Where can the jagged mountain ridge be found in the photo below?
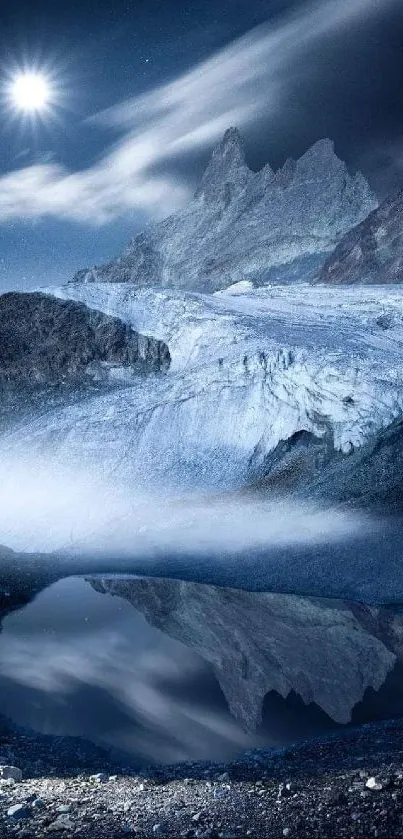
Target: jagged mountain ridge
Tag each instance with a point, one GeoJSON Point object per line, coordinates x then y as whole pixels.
{"type": "Point", "coordinates": [242, 223]}
{"type": "Point", "coordinates": [372, 252]}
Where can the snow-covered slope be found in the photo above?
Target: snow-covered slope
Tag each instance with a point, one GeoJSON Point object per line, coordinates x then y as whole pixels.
{"type": "Point", "coordinates": [243, 224]}
{"type": "Point", "coordinates": [248, 370]}
{"type": "Point", "coordinates": [253, 368]}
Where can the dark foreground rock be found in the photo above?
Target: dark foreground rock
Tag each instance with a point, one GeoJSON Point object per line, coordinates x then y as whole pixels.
{"type": "Point", "coordinates": [347, 785]}
{"type": "Point", "coordinates": [46, 341]}
{"type": "Point", "coordinates": [54, 352]}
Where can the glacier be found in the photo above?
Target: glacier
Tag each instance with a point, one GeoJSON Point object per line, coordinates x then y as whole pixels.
{"type": "Point", "coordinates": [250, 368]}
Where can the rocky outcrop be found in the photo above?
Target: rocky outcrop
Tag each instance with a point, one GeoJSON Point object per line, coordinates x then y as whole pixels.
{"type": "Point", "coordinates": [328, 652]}
{"type": "Point", "coordinates": [371, 252]}
{"type": "Point", "coordinates": [241, 223]}
{"type": "Point", "coordinates": [49, 342]}
{"type": "Point", "coordinates": [309, 467]}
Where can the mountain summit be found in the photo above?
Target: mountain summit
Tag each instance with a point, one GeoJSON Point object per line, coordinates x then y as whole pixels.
{"type": "Point", "coordinates": [227, 174]}
{"type": "Point", "coordinates": [241, 223]}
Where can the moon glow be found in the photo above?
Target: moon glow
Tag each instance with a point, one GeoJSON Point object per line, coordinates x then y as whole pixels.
{"type": "Point", "coordinates": [30, 92]}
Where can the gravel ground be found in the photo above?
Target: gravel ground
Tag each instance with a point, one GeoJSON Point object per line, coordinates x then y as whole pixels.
{"type": "Point", "coordinates": [350, 784]}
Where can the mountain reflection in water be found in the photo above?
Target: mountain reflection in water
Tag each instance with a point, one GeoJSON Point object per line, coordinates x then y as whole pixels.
{"type": "Point", "coordinates": [75, 661]}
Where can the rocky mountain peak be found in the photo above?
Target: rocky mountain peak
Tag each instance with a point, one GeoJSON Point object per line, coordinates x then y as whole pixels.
{"type": "Point", "coordinates": [321, 153]}
{"type": "Point", "coordinates": [227, 170]}
{"type": "Point", "coordinates": [242, 224]}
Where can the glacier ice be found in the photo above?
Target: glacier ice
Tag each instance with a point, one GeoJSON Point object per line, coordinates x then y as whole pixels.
{"type": "Point", "coordinates": [248, 371]}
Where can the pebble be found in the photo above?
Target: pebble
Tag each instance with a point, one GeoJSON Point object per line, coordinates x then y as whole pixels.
{"type": "Point", "coordinates": [63, 822]}
{"type": "Point", "coordinates": [250, 801]}
{"type": "Point", "coordinates": [221, 792]}
{"type": "Point", "coordinates": [374, 784]}
{"type": "Point", "coordinates": [284, 790]}
{"type": "Point", "coordinates": [38, 804]}
{"type": "Point", "coordinates": [19, 811]}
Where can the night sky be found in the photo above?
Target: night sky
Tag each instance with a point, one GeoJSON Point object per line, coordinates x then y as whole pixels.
{"type": "Point", "coordinates": [142, 91]}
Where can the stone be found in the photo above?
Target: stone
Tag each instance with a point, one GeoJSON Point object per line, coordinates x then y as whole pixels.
{"type": "Point", "coordinates": [374, 784]}
{"type": "Point", "coordinates": [99, 778]}
{"type": "Point", "coordinates": [63, 822]}
{"type": "Point", "coordinates": [19, 811]}
{"type": "Point", "coordinates": [38, 804]}
{"type": "Point", "coordinates": [284, 790]}
{"type": "Point", "coordinates": [10, 773]}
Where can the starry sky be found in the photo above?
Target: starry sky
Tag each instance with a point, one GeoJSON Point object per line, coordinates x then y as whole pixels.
{"type": "Point", "coordinates": [143, 89]}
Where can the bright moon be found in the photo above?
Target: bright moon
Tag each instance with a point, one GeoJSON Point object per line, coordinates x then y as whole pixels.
{"type": "Point", "coordinates": [30, 92]}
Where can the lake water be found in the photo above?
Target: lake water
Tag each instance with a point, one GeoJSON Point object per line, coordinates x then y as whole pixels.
{"type": "Point", "coordinates": [77, 662]}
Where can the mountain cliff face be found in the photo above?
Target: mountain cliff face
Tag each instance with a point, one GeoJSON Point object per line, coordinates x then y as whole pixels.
{"type": "Point", "coordinates": [372, 252]}
{"type": "Point", "coordinates": [45, 341]}
{"type": "Point", "coordinates": [242, 224]}
{"type": "Point", "coordinates": [329, 652]}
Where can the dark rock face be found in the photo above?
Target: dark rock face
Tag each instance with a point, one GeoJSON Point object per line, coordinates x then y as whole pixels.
{"type": "Point", "coordinates": [242, 224]}
{"type": "Point", "coordinates": [372, 252]}
{"type": "Point", "coordinates": [310, 468]}
{"type": "Point", "coordinates": [46, 342]}
{"type": "Point", "coordinates": [296, 462]}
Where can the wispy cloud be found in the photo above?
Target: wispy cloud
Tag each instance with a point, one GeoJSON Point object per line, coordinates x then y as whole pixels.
{"type": "Point", "coordinates": [235, 86]}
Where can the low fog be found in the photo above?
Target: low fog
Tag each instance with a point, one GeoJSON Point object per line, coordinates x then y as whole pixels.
{"type": "Point", "coordinates": [86, 524]}
{"type": "Point", "coordinates": [44, 509]}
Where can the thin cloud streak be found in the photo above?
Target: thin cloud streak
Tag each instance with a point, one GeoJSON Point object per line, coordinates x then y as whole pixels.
{"type": "Point", "coordinates": [236, 86]}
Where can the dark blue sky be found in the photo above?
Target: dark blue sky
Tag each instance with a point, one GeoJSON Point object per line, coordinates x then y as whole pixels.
{"type": "Point", "coordinates": [74, 189]}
